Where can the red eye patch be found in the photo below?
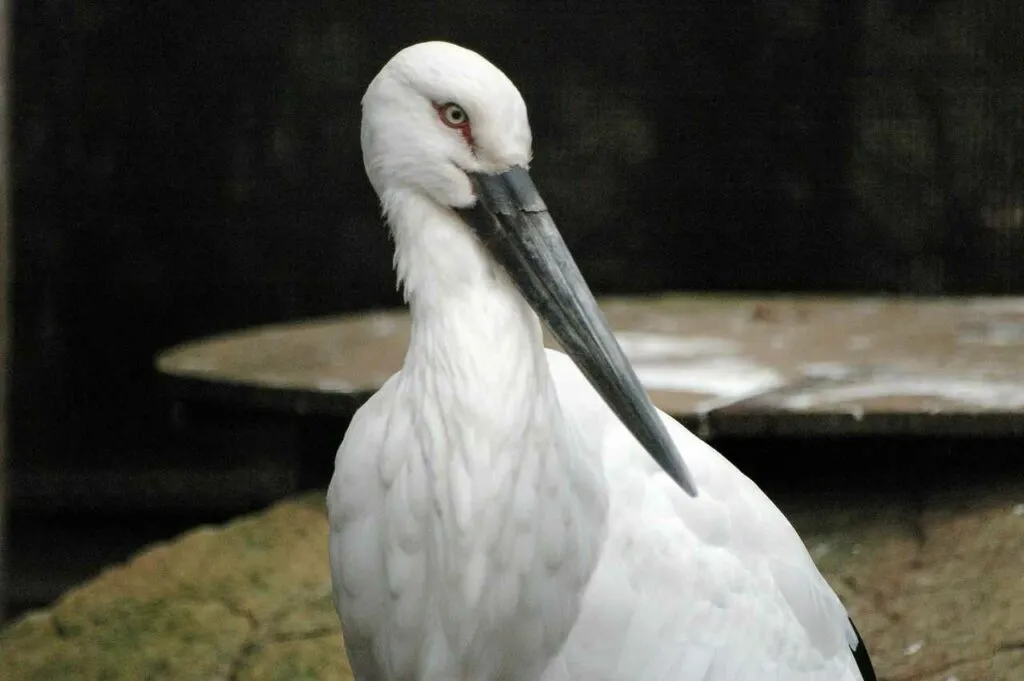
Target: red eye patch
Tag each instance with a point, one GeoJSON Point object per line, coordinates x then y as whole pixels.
{"type": "Point", "coordinates": [454, 116]}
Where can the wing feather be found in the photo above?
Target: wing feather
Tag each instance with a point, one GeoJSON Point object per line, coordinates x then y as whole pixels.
{"type": "Point", "coordinates": [355, 500]}
{"type": "Point", "coordinates": [714, 588]}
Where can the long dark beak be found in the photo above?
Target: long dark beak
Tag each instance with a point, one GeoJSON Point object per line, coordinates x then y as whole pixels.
{"type": "Point", "coordinates": [514, 224]}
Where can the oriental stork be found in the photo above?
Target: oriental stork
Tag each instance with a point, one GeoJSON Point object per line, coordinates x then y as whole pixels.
{"type": "Point", "coordinates": [503, 512]}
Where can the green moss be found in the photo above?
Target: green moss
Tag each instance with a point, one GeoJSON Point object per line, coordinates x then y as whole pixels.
{"type": "Point", "coordinates": [249, 600]}
{"type": "Point", "coordinates": [126, 640]}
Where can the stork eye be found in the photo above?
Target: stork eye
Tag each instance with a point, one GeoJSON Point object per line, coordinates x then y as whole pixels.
{"type": "Point", "coordinates": [453, 115]}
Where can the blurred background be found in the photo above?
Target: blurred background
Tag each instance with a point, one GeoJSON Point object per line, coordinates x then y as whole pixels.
{"type": "Point", "coordinates": [180, 168]}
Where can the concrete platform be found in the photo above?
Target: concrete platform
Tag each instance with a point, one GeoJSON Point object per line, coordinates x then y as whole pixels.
{"type": "Point", "coordinates": [724, 365]}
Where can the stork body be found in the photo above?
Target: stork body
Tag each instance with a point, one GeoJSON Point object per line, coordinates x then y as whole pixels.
{"type": "Point", "coordinates": [494, 517]}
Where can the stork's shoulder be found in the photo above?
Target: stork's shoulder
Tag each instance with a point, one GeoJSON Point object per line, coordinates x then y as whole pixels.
{"type": "Point", "coordinates": [376, 510]}
{"type": "Point", "coordinates": [355, 503]}
{"type": "Point", "coordinates": [356, 481]}
{"type": "Point", "coordinates": [734, 509]}
{"type": "Point", "coordinates": [723, 553]}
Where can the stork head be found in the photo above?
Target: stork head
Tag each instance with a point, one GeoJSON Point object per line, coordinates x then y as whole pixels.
{"type": "Point", "coordinates": [442, 121]}
{"type": "Point", "coordinates": [437, 112]}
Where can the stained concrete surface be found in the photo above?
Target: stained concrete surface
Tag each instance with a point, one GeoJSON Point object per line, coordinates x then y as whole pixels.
{"type": "Point", "coordinates": [727, 364]}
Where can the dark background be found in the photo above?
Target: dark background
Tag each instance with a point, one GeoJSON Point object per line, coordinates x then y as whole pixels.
{"type": "Point", "coordinates": [183, 168]}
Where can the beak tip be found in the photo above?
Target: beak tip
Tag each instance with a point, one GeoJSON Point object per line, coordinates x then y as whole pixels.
{"type": "Point", "coordinates": [684, 479]}
{"type": "Point", "coordinates": [664, 450]}
{"type": "Point", "coordinates": [690, 489]}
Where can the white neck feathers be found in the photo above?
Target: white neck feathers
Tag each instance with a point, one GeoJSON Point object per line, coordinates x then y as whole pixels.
{"type": "Point", "coordinates": [519, 509]}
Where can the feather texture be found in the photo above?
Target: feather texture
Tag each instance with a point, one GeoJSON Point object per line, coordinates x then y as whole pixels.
{"type": "Point", "coordinates": [713, 588]}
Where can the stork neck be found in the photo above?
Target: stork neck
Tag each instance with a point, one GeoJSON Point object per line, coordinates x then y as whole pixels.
{"type": "Point", "coordinates": [507, 476]}
{"type": "Point", "coordinates": [476, 357]}
{"type": "Point", "coordinates": [476, 366]}
{"type": "Point", "coordinates": [463, 305]}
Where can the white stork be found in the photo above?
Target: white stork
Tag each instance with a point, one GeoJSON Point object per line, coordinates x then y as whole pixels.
{"type": "Point", "coordinates": [502, 512]}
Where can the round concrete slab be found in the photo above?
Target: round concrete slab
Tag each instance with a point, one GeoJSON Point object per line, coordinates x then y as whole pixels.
{"type": "Point", "coordinates": [729, 365]}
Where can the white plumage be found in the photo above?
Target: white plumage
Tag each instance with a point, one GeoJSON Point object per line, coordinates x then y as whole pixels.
{"type": "Point", "coordinates": [491, 518]}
